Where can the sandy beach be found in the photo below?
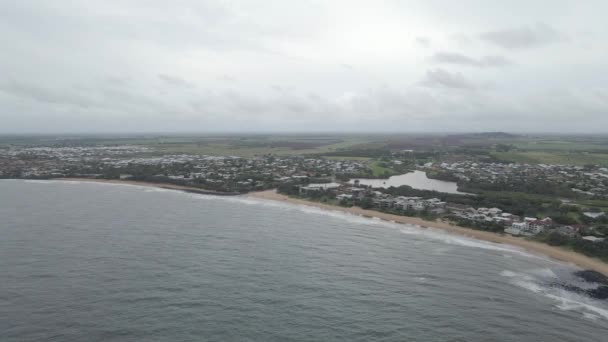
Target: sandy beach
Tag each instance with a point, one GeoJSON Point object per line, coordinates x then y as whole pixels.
{"type": "Point", "coordinates": [530, 246]}
{"type": "Point", "coordinates": [149, 184]}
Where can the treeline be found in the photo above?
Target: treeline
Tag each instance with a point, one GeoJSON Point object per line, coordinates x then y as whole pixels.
{"type": "Point", "coordinates": [367, 153]}
{"type": "Point", "coordinates": [593, 249]}
{"type": "Point", "coordinates": [531, 186]}
{"type": "Point", "coordinates": [521, 205]}
{"type": "Point", "coordinates": [442, 175]}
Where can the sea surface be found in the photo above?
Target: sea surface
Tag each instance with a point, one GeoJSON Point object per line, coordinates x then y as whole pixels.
{"type": "Point", "coordinates": [415, 179]}
{"type": "Point", "coordinates": [102, 262]}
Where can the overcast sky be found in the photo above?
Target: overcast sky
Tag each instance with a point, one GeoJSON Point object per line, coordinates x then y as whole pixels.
{"type": "Point", "coordinates": [305, 65]}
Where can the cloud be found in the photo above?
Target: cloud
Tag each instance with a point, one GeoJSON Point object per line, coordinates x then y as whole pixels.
{"type": "Point", "coordinates": [227, 78]}
{"type": "Point", "coordinates": [211, 65]}
{"type": "Point", "coordinates": [445, 79]}
{"type": "Point", "coordinates": [495, 61]}
{"type": "Point", "coordinates": [524, 37]}
{"type": "Point", "coordinates": [460, 39]}
{"type": "Point", "coordinates": [456, 58]}
{"type": "Point", "coordinates": [175, 81]}
{"type": "Point", "coordinates": [423, 41]}
{"type": "Point", "coordinates": [46, 95]}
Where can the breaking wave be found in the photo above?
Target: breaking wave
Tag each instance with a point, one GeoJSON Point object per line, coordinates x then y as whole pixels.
{"type": "Point", "coordinates": [543, 282]}
{"type": "Point", "coordinates": [425, 233]}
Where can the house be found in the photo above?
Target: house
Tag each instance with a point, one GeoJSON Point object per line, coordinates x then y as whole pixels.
{"type": "Point", "coordinates": [529, 227]}
{"type": "Point", "coordinates": [517, 228]}
{"type": "Point", "coordinates": [311, 188]}
{"type": "Point", "coordinates": [593, 215]}
{"type": "Point", "coordinates": [384, 203]}
{"type": "Point", "coordinates": [494, 211]}
{"type": "Point", "coordinates": [569, 231]}
{"type": "Point", "coordinates": [593, 238]}
{"type": "Point", "coordinates": [343, 197]}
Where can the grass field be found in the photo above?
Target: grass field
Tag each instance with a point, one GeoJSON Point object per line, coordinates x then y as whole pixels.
{"type": "Point", "coordinates": [380, 171]}
{"type": "Point", "coordinates": [553, 157]}
{"type": "Point", "coordinates": [244, 146]}
{"type": "Point", "coordinates": [547, 149]}
{"type": "Point", "coordinates": [603, 204]}
{"type": "Point", "coordinates": [363, 159]}
{"type": "Point", "coordinates": [564, 145]}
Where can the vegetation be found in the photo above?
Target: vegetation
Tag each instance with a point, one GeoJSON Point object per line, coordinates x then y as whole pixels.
{"type": "Point", "coordinates": [592, 249]}
{"type": "Point", "coordinates": [380, 169]}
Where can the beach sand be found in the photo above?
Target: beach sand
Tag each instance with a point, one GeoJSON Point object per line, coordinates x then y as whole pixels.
{"type": "Point", "coordinates": [530, 246]}
{"type": "Point", "coordinates": [149, 184]}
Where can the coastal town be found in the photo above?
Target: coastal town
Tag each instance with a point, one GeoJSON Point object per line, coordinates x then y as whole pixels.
{"type": "Point", "coordinates": [550, 202]}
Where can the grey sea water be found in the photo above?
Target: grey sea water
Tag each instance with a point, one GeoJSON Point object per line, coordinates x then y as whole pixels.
{"type": "Point", "coordinates": [101, 262]}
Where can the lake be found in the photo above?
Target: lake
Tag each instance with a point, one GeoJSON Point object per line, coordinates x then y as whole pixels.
{"type": "Point", "coordinates": [415, 179]}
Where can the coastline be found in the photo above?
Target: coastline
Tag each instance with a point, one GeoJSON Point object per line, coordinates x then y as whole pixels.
{"type": "Point", "coordinates": [151, 184]}
{"type": "Point", "coordinates": [553, 252]}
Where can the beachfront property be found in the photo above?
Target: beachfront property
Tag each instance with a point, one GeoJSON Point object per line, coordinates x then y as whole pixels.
{"type": "Point", "coordinates": [490, 215]}
{"type": "Point", "coordinates": [593, 238]}
{"type": "Point", "coordinates": [530, 226]}
{"type": "Point", "coordinates": [316, 188]}
{"type": "Point", "coordinates": [495, 217]}
{"type": "Point", "coordinates": [308, 176]}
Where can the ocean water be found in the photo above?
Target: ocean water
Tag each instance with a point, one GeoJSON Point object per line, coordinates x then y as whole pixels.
{"type": "Point", "coordinates": [103, 262]}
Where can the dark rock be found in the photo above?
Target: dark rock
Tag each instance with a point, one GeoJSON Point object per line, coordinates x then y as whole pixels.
{"type": "Point", "coordinates": [599, 293]}
{"type": "Point", "coordinates": [592, 277]}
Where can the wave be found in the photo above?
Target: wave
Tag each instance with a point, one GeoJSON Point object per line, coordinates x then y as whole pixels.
{"type": "Point", "coordinates": [36, 181]}
{"type": "Point", "coordinates": [78, 182]}
{"type": "Point", "coordinates": [157, 189]}
{"type": "Point", "coordinates": [426, 233]}
{"type": "Point", "coordinates": [410, 229]}
{"type": "Point", "coordinates": [540, 281]}
{"type": "Point", "coordinates": [452, 239]}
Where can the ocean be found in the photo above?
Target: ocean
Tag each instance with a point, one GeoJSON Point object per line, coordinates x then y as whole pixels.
{"type": "Point", "coordinates": [109, 262]}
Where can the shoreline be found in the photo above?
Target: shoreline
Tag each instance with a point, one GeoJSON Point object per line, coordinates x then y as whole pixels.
{"type": "Point", "coordinates": [553, 252]}
{"type": "Point", "coordinates": [534, 247]}
{"type": "Point", "coordinates": [185, 188]}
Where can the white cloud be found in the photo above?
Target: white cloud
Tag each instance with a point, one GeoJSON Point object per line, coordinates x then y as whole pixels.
{"type": "Point", "coordinates": [524, 37]}
{"type": "Point", "coordinates": [342, 65]}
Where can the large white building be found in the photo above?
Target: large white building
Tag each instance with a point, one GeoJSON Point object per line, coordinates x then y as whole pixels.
{"type": "Point", "coordinates": [529, 227]}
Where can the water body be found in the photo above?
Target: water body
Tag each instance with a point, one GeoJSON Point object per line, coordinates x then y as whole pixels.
{"type": "Point", "coordinates": [415, 179]}
{"type": "Point", "coordinates": [102, 262]}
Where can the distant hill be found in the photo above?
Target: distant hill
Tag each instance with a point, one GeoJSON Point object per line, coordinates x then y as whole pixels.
{"type": "Point", "coordinates": [494, 135]}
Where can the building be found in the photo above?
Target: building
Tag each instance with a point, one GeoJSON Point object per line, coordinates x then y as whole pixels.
{"type": "Point", "coordinates": [313, 188]}
{"type": "Point", "coordinates": [529, 227]}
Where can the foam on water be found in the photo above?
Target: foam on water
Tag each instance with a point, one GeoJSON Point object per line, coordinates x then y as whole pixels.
{"type": "Point", "coordinates": [158, 190]}
{"type": "Point", "coordinates": [426, 233]}
{"type": "Point", "coordinates": [538, 281]}
{"type": "Point", "coordinates": [209, 274]}
{"type": "Point", "coordinates": [38, 181]}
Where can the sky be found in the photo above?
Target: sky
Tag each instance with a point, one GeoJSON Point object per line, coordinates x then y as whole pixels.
{"type": "Point", "coordinates": [303, 66]}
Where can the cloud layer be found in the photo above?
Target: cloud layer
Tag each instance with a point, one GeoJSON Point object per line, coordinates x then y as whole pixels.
{"type": "Point", "coordinates": [203, 66]}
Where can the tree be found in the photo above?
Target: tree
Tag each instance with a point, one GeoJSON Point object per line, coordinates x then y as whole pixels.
{"type": "Point", "coordinates": [557, 239]}
{"type": "Point", "coordinates": [367, 202]}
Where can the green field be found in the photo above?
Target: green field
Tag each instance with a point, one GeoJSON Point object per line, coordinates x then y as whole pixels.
{"type": "Point", "coordinates": [554, 157]}
{"type": "Point", "coordinates": [547, 149]}
{"type": "Point", "coordinates": [245, 146]}
{"type": "Point", "coordinates": [363, 159]}
{"type": "Point", "coordinates": [380, 171]}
